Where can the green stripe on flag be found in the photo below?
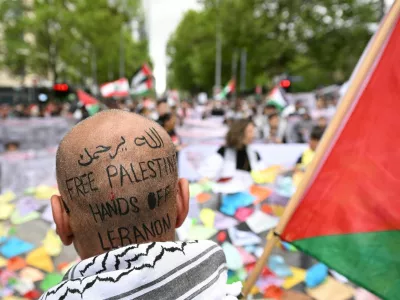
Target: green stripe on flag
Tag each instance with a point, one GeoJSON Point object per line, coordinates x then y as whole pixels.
{"type": "Point", "coordinates": [92, 109]}
{"type": "Point", "coordinates": [370, 260]}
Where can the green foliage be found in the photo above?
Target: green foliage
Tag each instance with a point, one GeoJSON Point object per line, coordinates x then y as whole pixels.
{"type": "Point", "coordinates": [61, 38]}
{"type": "Point", "coordinates": [318, 40]}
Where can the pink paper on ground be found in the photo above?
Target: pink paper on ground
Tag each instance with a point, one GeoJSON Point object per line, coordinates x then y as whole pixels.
{"type": "Point", "coordinates": [247, 258]}
{"type": "Point", "coordinates": [264, 282]}
{"type": "Point", "coordinates": [243, 213]}
{"type": "Point", "coordinates": [224, 222]}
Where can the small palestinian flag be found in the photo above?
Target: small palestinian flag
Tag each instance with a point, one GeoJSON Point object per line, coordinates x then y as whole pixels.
{"type": "Point", "coordinates": [141, 75]}
{"type": "Point", "coordinates": [230, 87]}
{"type": "Point", "coordinates": [276, 97]}
{"type": "Point", "coordinates": [143, 87]}
{"type": "Point", "coordinates": [91, 104]}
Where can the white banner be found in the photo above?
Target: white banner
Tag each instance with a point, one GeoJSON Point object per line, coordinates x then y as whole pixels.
{"type": "Point", "coordinates": [191, 157]}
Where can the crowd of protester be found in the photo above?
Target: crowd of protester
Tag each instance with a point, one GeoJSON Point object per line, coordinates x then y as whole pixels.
{"type": "Point", "coordinates": [293, 124]}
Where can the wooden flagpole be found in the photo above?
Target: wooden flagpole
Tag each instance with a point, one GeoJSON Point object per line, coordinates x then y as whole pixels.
{"type": "Point", "coordinates": [358, 79]}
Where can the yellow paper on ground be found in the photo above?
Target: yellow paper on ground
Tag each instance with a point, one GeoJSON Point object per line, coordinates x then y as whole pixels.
{"type": "Point", "coordinates": [6, 210]}
{"type": "Point", "coordinates": [254, 290]}
{"type": "Point", "coordinates": [52, 243]}
{"type": "Point", "coordinates": [3, 262]}
{"type": "Point", "coordinates": [39, 258]}
{"type": "Point", "coordinates": [3, 230]}
{"type": "Point", "coordinates": [45, 192]}
{"type": "Point", "coordinates": [267, 175]}
{"type": "Point", "coordinates": [297, 178]}
{"type": "Point", "coordinates": [332, 290]}
{"type": "Point", "coordinates": [299, 275]}
{"type": "Point", "coordinates": [17, 219]}
{"type": "Point", "coordinates": [207, 216]}
{"type": "Point", "coordinates": [13, 298]}
{"type": "Point", "coordinates": [277, 210]}
{"type": "Point", "coordinates": [7, 197]}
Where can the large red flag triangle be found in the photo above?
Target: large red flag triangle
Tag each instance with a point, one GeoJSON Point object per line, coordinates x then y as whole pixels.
{"type": "Point", "coordinates": [349, 217]}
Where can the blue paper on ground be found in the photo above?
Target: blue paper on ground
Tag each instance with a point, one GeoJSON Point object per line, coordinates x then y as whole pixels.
{"type": "Point", "coordinates": [276, 264]}
{"type": "Point", "coordinates": [231, 202]}
{"type": "Point", "coordinates": [316, 275]}
{"type": "Point", "coordinates": [14, 247]}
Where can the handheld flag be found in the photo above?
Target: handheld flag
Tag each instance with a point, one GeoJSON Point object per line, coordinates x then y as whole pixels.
{"type": "Point", "coordinates": [349, 214]}
{"type": "Point", "coordinates": [91, 104]}
{"type": "Point", "coordinates": [143, 88]}
{"type": "Point", "coordinates": [118, 88]}
{"type": "Point", "coordinates": [229, 88]}
{"type": "Point", "coordinates": [277, 98]}
{"type": "Point", "coordinates": [141, 75]}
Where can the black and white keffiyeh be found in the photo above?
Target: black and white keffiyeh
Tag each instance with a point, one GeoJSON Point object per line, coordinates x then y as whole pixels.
{"type": "Point", "coordinates": [170, 270]}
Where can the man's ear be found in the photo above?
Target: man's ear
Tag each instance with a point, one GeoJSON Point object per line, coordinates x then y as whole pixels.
{"type": "Point", "coordinates": [61, 218]}
{"type": "Point", "coordinates": [182, 201]}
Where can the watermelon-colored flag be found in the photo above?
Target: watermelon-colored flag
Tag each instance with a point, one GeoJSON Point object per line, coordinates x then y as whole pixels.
{"type": "Point", "coordinates": [141, 75]}
{"type": "Point", "coordinates": [229, 88]}
{"type": "Point", "coordinates": [277, 98]}
{"type": "Point", "coordinates": [143, 88]}
{"type": "Point", "coordinates": [118, 88]}
{"type": "Point", "coordinates": [349, 215]}
{"type": "Point", "coordinates": [91, 104]}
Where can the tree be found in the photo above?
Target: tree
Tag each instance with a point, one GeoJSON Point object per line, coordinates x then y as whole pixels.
{"type": "Point", "coordinates": [14, 52]}
{"type": "Point", "coordinates": [74, 40]}
{"type": "Point", "coordinates": [318, 40]}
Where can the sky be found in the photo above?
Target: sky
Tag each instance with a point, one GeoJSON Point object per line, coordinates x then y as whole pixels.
{"type": "Point", "coordinates": [162, 17]}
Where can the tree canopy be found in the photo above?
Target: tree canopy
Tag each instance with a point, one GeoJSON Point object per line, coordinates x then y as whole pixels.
{"type": "Point", "coordinates": [71, 40]}
{"type": "Point", "coordinates": [321, 41]}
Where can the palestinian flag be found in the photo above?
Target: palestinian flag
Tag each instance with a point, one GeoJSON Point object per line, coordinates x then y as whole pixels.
{"type": "Point", "coordinates": [91, 104]}
{"type": "Point", "coordinates": [118, 88]}
{"type": "Point", "coordinates": [141, 75]}
{"type": "Point", "coordinates": [277, 98]}
{"type": "Point", "coordinates": [230, 87]}
{"type": "Point", "coordinates": [143, 88]}
{"type": "Point", "coordinates": [349, 214]}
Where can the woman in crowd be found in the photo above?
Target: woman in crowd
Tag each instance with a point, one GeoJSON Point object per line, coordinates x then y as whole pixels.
{"type": "Point", "coordinates": [168, 122]}
{"type": "Point", "coordinates": [236, 154]}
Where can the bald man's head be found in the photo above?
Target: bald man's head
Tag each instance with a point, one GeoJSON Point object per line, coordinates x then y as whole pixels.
{"type": "Point", "coordinates": [117, 175]}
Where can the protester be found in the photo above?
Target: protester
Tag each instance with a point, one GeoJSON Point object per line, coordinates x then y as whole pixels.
{"type": "Point", "coordinates": [274, 131]}
{"type": "Point", "coordinates": [307, 156]}
{"type": "Point", "coordinates": [168, 122]}
{"type": "Point", "coordinates": [322, 123]}
{"type": "Point", "coordinates": [270, 109]}
{"type": "Point", "coordinates": [299, 131]}
{"type": "Point", "coordinates": [145, 112]}
{"type": "Point", "coordinates": [122, 221]}
{"type": "Point", "coordinates": [11, 146]}
{"type": "Point", "coordinates": [236, 154]}
{"type": "Point", "coordinates": [162, 108]}
{"type": "Point", "coordinates": [322, 110]}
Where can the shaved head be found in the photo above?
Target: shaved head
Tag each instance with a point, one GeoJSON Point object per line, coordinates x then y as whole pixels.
{"type": "Point", "coordinates": [117, 176]}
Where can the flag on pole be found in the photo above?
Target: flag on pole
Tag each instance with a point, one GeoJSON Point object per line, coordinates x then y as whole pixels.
{"type": "Point", "coordinates": [118, 88]}
{"type": "Point", "coordinates": [229, 88]}
{"type": "Point", "coordinates": [91, 104]}
{"type": "Point", "coordinates": [141, 75]}
{"type": "Point", "coordinates": [349, 214]}
{"type": "Point", "coordinates": [277, 98]}
{"type": "Point", "coordinates": [143, 87]}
